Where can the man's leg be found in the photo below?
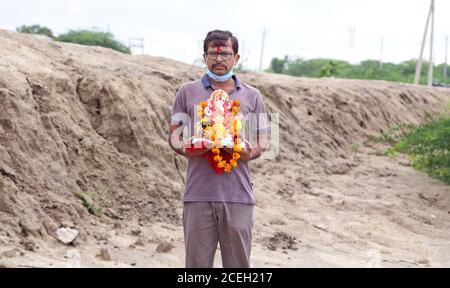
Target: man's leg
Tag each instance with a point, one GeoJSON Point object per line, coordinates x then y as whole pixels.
{"type": "Point", "coordinates": [200, 234]}
{"type": "Point", "coordinates": [235, 233]}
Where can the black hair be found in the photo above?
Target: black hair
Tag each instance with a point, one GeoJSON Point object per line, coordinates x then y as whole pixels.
{"type": "Point", "coordinates": [220, 38]}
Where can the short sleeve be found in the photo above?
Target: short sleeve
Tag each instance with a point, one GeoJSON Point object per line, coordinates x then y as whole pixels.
{"type": "Point", "coordinates": [261, 114]}
{"type": "Point", "coordinates": [179, 107]}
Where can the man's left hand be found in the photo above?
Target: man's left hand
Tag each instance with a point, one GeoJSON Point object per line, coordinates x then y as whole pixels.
{"type": "Point", "coordinates": [246, 154]}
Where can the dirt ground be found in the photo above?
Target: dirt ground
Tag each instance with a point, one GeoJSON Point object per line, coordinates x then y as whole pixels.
{"type": "Point", "coordinates": [77, 120]}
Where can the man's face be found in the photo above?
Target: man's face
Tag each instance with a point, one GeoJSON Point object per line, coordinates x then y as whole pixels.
{"type": "Point", "coordinates": [221, 59]}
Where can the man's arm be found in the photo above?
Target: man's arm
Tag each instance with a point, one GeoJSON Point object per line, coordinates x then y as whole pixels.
{"type": "Point", "coordinates": [176, 138]}
{"type": "Point", "coordinates": [178, 145]}
{"type": "Point", "coordinates": [261, 130]}
{"type": "Point", "coordinates": [253, 153]}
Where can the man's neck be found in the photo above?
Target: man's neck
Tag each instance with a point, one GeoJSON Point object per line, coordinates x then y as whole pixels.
{"type": "Point", "coordinates": [227, 85]}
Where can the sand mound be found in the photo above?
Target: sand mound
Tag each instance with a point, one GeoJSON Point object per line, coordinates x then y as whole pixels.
{"type": "Point", "coordinates": [83, 128]}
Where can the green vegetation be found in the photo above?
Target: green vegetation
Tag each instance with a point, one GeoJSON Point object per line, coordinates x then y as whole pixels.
{"type": "Point", "coordinates": [89, 204]}
{"type": "Point", "coordinates": [428, 146]}
{"type": "Point", "coordinates": [83, 37]}
{"type": "Point", "coordinates": [35, 29]}
{"type": "Point", "coordinates": [93, 38]}
{"type": "Point", "coordinates": [355, 148]}
{"type": "Point", "coordinates": [394, 134]}
{"type": "Point", "coordinates": [369, 69]}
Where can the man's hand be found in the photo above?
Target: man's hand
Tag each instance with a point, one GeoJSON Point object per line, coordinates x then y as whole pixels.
{"type": "Point", "coordinates": [247, 154]}
{"type": "Point", "coordinates": [181, 147]}
{"type": "Point", "coordinates": [195, 152]}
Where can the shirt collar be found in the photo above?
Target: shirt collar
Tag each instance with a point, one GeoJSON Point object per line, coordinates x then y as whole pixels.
{"type": "Point", "coordinates": [207, 83]}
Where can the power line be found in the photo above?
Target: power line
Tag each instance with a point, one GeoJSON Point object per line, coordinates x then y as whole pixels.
{"type": "Point", "coordinates": [419, 62]}
{"type": "Point", "coordinates": [352, 31]}
{"type": "Point", "coordinates": [382, 52]}
{"type": "Point", "coordinates": [430, 65]}
{"type": "Point", "coordinates": [264, 33]}
{"type": "Point", "coordinates": [243, 54]}
{"type": "Point", "coordinates": [446, 63]}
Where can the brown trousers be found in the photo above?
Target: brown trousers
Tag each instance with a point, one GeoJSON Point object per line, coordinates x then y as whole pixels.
{"type": "Point", "coordinates": [208, 223]}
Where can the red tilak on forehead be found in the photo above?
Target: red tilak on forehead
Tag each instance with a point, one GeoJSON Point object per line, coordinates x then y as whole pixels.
{"type": "Point", "coordinates": [218, 49]}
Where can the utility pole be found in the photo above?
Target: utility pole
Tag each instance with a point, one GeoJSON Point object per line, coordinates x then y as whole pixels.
{"type": "Point", "coordinates": [352, 31]}
{"type": "Point", "coordinates": [264, 33]}
{"type": "Point", "coordinates": [430, 65]}
{"type": "Point", "coordinates": [137, 43]}
{"type": "Point", "coordinates": [446, 63]}
{"type": "Point", "coordinates": [382, 52]}
{"type": "Point", "coordinates": [419, 61]}
{"type": "Point", "coordinates": [243, 54]}
{"type": "Point", "coordinates": [200, 48]}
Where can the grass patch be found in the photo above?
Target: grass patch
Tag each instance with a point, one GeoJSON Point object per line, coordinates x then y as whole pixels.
{"type": "Point", "coordinates": [394, 134]}
{"type": "Point", "coordinates": [355, 148]}
{"type": "Point", "coordinates": [89, 204]}
{"type": "Point", "coordinates": [427, 145]}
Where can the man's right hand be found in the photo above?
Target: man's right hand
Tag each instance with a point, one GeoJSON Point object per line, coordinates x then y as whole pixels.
{"type": "Point", "coordinates": [177, 144]}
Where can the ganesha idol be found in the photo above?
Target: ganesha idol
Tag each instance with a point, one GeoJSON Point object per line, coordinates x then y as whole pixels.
{"type": "Point", "coordinates": [220, 121]}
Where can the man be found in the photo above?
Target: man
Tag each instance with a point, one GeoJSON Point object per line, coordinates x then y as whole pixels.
{"type": "Point", "coordinates": [218, 208]}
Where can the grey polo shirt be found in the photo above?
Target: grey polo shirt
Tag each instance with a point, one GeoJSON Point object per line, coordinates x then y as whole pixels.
{"type": "Point", "coordinates": [202, 183]}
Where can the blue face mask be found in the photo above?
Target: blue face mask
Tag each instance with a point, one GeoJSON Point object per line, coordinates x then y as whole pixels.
{"type": "Point", "coordinates": [218, 78]}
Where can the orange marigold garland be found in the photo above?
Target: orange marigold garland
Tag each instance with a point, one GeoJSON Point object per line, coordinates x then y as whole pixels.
{"type": "Point", "coordinates": [220, 123]}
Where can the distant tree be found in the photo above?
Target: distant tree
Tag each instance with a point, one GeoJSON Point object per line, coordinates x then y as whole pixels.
{"type": "Point", "coordinates": [317, 68]}
{"type": "Point", "coordinates": [35, 29]}
{"type": "Point", "coordinates": [278, 65]}
{"type": "Point", "coordinates": [240, 68]}
{"type": "Point", "coordinates": [93, 38]}
{"type": "Point", "coordinates": [332, 68]}
{"type": "Point", "coordinates": [439, 73]}
{"type": "Point", "coordinates": [368, 69]}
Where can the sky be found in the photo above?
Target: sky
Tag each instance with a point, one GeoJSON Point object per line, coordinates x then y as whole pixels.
{"type": "Point", "coordinates": [351, 30]}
